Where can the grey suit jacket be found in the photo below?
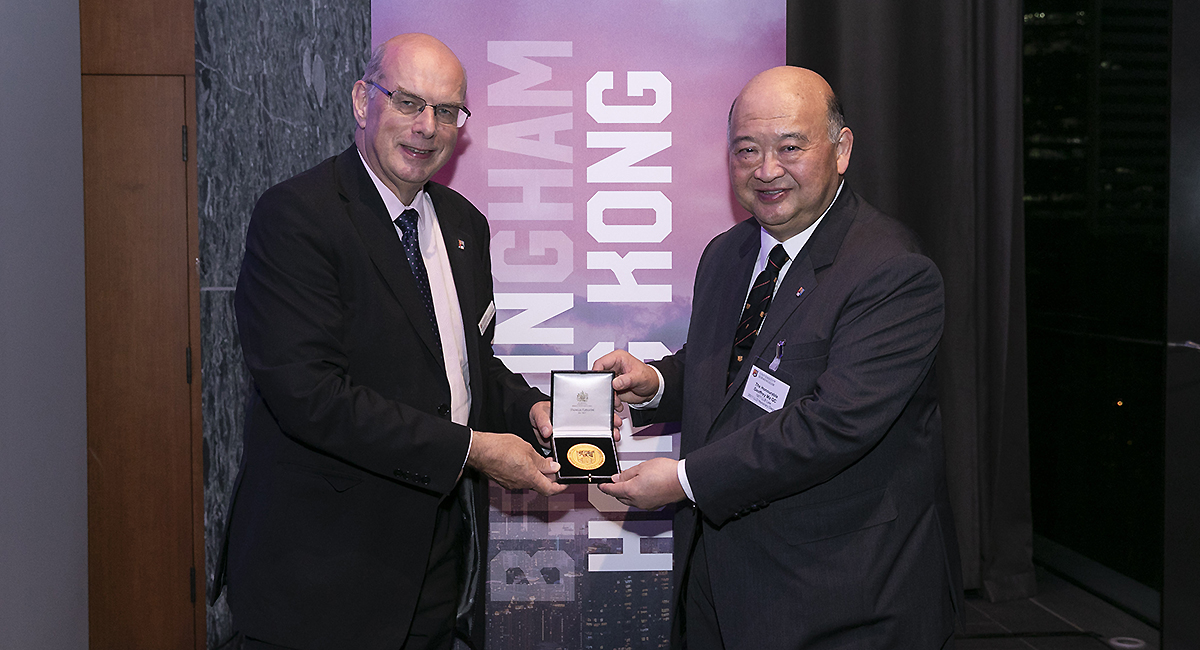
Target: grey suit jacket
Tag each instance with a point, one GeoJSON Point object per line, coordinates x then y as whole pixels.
{"type": "Point", "coordinates": [826, 522]}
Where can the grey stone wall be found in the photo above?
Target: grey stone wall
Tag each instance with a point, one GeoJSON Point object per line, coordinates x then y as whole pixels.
{"type": "Point", "coordinates": [273, 82]}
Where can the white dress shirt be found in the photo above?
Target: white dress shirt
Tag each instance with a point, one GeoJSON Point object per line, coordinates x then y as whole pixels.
{"type": "Point", "coordinates": [444, 293]}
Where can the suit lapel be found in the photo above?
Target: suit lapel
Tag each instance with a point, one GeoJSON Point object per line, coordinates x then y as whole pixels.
{"type": "Point", "coordinates": [370, 218]}
{"type": "Point", "coordinates": [797, 285]}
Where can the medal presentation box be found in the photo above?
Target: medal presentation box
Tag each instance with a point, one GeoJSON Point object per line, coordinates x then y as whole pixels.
{"type": "Point", "coordinates": [581, 409]}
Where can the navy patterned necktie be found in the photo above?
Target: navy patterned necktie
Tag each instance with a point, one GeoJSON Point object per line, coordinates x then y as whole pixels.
{"type": "Point", "coordinates": [407, 222]}
{"type": "Point", "coordinates": [757, 304]}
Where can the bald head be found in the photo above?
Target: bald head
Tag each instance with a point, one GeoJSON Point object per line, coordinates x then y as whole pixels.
{"type": "Point", "coordinates": [413, 51]}
{"type": "Point", "coordinates": [804, 85]}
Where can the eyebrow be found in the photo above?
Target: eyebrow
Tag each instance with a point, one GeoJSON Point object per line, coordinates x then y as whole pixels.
{"type": "Point", "coordinates": [794, 136]}
{"type": "Point", "coordinates": [782, 136]}
{"type": "Point", "coordinates": [402, 89]}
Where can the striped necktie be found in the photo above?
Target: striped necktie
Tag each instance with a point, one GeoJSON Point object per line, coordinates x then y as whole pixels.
{"type": "Point", "coordinates": [757, 304]}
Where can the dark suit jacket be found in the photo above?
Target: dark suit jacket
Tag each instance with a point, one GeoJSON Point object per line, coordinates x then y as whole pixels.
{"type": "Point", "coordinates": [826, 523]}
{"type": "Point", "coordinates": [349, 447]}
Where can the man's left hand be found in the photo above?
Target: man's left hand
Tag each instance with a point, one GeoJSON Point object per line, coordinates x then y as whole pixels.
{"type": "Point", "coordinates": [649, 485]}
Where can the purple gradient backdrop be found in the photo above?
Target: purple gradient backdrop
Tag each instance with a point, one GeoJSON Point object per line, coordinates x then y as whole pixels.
{"type": "Point", "coordinates": [708, 50]}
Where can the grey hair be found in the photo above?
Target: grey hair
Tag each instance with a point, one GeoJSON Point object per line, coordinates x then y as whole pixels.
{"type": "Point", "coordinates": [834, 116]}
{"type": "Point", "coordinates": [374, 68]}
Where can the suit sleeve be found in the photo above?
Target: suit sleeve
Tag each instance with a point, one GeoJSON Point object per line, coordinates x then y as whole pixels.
{"type": "Point", "coordinates": [670, 406]}
{"type": "Point", "coordinates": [293, 322]}
{"type": "Point", "coordinates": [882, 347]}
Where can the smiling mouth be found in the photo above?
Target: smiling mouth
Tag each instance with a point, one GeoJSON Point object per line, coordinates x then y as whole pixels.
{"type": "Point", "coordinates": [771, 195]}
{"type": "Point", "coordinates": [417, 152]}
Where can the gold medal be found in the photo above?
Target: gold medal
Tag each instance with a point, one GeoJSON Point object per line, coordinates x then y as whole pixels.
{"type": "Point", "coordinates": [585, 456]}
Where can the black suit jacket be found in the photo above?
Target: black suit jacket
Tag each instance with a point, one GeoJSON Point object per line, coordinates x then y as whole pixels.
{"type": "Point", "coordinates": [826, 522]}
{"type": "Point", "coordinates": [349, 447]}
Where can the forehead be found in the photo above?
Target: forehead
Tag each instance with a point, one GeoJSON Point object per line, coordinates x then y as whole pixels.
{"type": "Point", "coordinates": [429, 74]}
{"type": "Point", "coordinates": [782, 112]}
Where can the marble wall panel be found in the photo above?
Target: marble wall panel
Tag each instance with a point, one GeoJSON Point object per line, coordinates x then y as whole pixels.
{"type": "Point", "coordinates": [225, 382]}
{"type": "Point", "coordinates": [273, 83]}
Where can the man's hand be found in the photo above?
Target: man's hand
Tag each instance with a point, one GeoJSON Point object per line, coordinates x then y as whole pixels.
{"type": "Point", "coordinates": [635, 382]}
{"type": "Point", "coordinates": [539, 418]}
{"type": "Point", "coordinates": [513, 463]}
{"type": "Point", "coordinates": [649, 485]}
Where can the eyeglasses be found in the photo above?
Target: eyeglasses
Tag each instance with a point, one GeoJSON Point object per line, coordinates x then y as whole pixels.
{"type": "Point", "coordinates": [411, 105]}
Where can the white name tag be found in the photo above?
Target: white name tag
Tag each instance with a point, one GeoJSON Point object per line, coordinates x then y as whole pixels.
{"type": "Point", "coordinates": [488, 315]}
{"type": "Point", "coordinates": [765, 391]}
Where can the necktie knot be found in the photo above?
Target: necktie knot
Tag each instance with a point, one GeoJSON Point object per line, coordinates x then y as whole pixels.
{"type": "Point", "coordinates": [407, 222]}
{"type": "Point", "coordinates": [777, 258]}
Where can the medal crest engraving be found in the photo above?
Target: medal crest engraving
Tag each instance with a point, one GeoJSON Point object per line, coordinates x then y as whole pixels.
{"type": "Point", "coordinates": [585, 456]}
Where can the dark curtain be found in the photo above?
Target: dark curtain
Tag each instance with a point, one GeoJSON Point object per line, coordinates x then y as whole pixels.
{"type": "Point", "coordinates": [932, 91]}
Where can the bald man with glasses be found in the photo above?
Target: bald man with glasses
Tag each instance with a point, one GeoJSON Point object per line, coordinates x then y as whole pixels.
{"type": "Point", "coordinates": [366, 316]}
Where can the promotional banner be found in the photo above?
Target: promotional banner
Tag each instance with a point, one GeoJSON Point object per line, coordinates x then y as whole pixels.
{"type": "Point", "coordinates": [596, 148]}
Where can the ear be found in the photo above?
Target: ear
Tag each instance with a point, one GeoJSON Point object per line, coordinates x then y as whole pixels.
{"type": "Point", "coordinates": [845, 144]}
{"type": "Point", "coordinates": [359, 100]}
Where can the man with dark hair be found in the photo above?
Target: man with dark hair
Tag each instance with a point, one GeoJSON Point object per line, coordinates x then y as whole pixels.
{"type": "Point", "coordinates": [811, 495]}
{"type": "Point", "coordinates": [365, 311]}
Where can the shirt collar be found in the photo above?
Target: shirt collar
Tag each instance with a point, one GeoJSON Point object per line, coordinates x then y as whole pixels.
{"type": "Point", "coordinates": [797, 241]}
{"type": "Point", "coordinates": [391, 202]}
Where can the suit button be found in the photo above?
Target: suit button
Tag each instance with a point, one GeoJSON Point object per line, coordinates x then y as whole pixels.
{"type": "Point", "coordinates": [443, 410]}
{"type": "Point", "coordinates": [400, 473]}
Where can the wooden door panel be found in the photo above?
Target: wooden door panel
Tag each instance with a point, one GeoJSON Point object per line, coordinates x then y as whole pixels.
{"type": "Point", "coordinates": [137, 37]}
{"type": "Point", "coordinates": [140, 493]}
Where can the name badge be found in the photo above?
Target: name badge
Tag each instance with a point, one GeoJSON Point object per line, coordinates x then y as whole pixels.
{"type": "Point", "coordinates": [765, 391]}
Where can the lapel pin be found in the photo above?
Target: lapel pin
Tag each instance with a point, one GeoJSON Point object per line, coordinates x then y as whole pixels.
{"type": "Point", "coordinates": [461, 246]}
{"type": "Point", "coordinates": [799, 291]}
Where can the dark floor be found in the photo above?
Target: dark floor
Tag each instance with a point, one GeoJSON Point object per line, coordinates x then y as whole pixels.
{"type": "Point", "coordinates": [1061, 617]}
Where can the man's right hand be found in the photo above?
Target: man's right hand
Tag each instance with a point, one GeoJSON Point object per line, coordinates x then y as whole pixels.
{"type": "Point", "coordinates": [513, 463]}
{"type": "Point", "coordinates": [635, 381]}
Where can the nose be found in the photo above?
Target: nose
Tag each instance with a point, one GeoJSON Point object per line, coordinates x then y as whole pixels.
{"type": "Point", "coordinates": [424, 122]}
{"type": "Point", "coordinates": [769, 169]}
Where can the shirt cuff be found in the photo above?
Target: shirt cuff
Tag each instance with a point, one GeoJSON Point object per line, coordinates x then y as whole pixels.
{"type": "Point", "coordinates": [470, 439]}
{"type": "Point", "coordinates": [653, 402]}
{"type": "Point", "coordinates": [687, 487]}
